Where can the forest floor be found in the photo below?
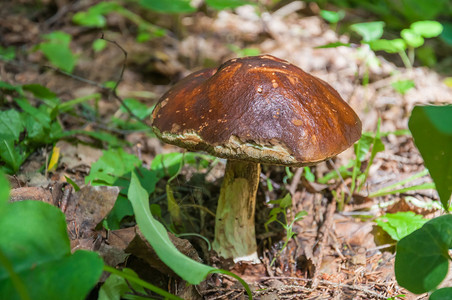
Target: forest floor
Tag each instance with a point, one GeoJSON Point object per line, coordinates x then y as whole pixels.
{"type": "Point", "coordinates": [339, 252]}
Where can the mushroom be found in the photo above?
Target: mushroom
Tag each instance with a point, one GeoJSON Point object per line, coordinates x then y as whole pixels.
{"type": "Point", "coordinates": [252, 111]}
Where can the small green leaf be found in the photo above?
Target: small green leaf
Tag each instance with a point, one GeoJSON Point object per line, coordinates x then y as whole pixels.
{"type": "Point", "coordinates": [95, 15]}
{"type": "Point", "coordinates": [58, 37]}
{"type": "Point", "coordinates": [400, 224]}
{"type": "Point", "coordinates": [412, 38]}
{"type": "Point", "coordinates": [286, 202]}
{"type": "Point", "coordinates": [34, 241]}
{"type": "Point", "coordinates": [308, 174]}
{"type": "Point", "coordinates": [422, 258]}
{"type": "Point", "coordinates": [300, 215]}
{"type": "Point", "coordinates": [403, 86]}
{"type": "Point", "coordinates": [427, 29]}
{"type": "Point", "coordinates": [89, 19]}
{"type": "Point", "coordinates": [99, 45]}
{"type": "Point", "coordinates": [188, 269]}
{"type": "Point", "coordinates": [59, 55]}
{"type": "Point", "coordinates": [431, 127]}
{"type": "Point", "coordinates": [332, 16]}
{"type": "Point", "coordinates": [168, 6]}
{"type": "Point", "coordinates": [43, 93]}
{"type": "Point", "coordinates": [226, 4]}
{"type": "Point", "coordinates": [390, 46]}
{"type": "Point", "coordinates": [13, 156]}
{"type": "Point", "coordinates": [112, 164]}
{"type": "Point", "coordinates": [10, 125]}
{"type": "Point", "coordinates": [8, 53]}
{"type": "Point", "coordinates": [138, 109]}
{"type": "Point", "coordinates": [369, 31]}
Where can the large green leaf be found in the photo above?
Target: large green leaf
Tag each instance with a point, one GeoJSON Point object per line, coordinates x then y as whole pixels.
{"type": "Point", "coordinates": [422, 258]}
{"type": "Point", "coordinates": [431, 127]}
{"type": "Point", "coordinates": [156, 234]}
{"type": "Point", "coordinates": [36, 257]}
{"type": "Point", "coordinates": [442, 294]}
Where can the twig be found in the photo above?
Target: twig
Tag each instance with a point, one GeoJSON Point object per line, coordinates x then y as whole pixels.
{"type": "Point", "coordinates": [331, 208]}
{"type": "Point", "coordinates": [295, 181]}
{"type": "Point", "coordinates": [112, 91]}
{"type": "Point", "coordinates": [329, 283]}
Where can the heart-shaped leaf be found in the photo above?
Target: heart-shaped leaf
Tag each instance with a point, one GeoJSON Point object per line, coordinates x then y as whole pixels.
{"type": "Point", "coordinates": [422, 258]}
{"type": "Point", "coordinates": [35, 255]}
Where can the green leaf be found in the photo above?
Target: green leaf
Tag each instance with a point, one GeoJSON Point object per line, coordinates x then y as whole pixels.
{"type": "Point", "coordinates": [4, 190]}
{"type": "Point", "coordinates": [111, 165]}
{"type": "Point", "coordinates": [299, 215]}
{"type": "Point", "coordinates": [58, 37]}
{"type": "Point", "coordinates": [226, 4]}
{"type": "Point", "coordinates": [8, 53]}
{"type": "Point", "coordinates": [431, 127]}
{"type": "Point", "coordinates": [116, 287]}
{"type": "Point", "coordinates": [427, 29]}
{"type": "Point", "coordinates": [333, 45]}
{"type": "Point", "coordinates": [422, 258]}
{"type": "Point", "coordinates": [10, 125]}
{"type": "Point", "coordinates": [286, 202]}
{"type": "Point", "coordinates": [38, 115]}
{"type": "Point", "coordinates": [13, 156]}
{"type": "Point", "coordinates": [188, 269]}
{"type": "Point", "coordinates": [169, 163]}
{"type": "Point", "coordinates": [369, 31]}
{"type": "Point", "coordinates": [446, 35]}
{"type": "Point", "coordinates": [412, 38]}
{"type": "Point", "coordinates": [43, 93]}
{"type": "Point", "coordinates": [99, 45]}
{"type": "Point", "coordinates": [390, 46]}
{"type": "Point", "coordinates": [400, 224]}
{"type": "Point", "coordinates": [168, 6]}
{"type": "Point", "coordinates": [403, 86]}
{"type": "Point", "coordinates": [34, 241]}
{"type": "Point", "coordinates": [362, 147]}
{"type": "Point", "coordinates": [59, 55]}
{"type": "Point", "coordinates": [332, 16]}
{"type": "Point", "coordinates": [84, 18]}
{"type": "Point", "coordinates": [308, 174]}
{"type": "Point", "coordinates": [113, 288]}
{"type": "Point", "coordinates": [9, 87]}
{"type": "Point", "coordinates": [441, 294]}
{"type": "Point", "coordinates": [139, 109]}
{"type": "Point", "coordinates": [112, 140]}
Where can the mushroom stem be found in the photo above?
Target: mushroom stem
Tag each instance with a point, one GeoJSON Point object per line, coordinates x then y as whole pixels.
{"type": "Point", "coordinates": [234, 224]}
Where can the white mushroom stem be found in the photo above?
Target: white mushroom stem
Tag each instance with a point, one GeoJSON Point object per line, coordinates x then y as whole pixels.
{"type": "Point", "coordinates": [234, 225]}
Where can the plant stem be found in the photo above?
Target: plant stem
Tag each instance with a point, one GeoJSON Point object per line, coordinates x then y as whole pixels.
{"type": "Point", "coordinates": [405, 59]}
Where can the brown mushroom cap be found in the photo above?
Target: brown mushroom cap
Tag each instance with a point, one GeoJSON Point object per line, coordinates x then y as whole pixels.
{"type": "Point", "coordinates": [260, 109]}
